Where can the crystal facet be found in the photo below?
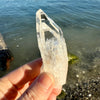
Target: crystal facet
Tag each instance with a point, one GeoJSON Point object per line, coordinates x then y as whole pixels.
{"type": "Point", "coordinates": [52, 47]}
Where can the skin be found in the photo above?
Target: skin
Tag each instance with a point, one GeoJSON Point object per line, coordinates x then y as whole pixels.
{"type": "Point", "coordinates": [26, 83]}
{"type": "Point", "coordinates": [8, 62]}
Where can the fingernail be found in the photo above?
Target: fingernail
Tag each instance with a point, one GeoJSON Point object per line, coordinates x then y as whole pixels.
{"type": "Point", "coordinates": [46, 80]}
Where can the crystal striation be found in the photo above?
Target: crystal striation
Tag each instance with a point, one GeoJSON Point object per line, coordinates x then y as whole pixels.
{"type": "Point", "coordinates": [52, 47]}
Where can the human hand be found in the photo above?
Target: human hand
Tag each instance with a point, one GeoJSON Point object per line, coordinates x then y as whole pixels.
{"type": "Point", "coordinates": [25, 83]}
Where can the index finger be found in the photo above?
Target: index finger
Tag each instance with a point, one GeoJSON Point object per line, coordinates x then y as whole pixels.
{"type": "Point", "coordinates": [25, 73]}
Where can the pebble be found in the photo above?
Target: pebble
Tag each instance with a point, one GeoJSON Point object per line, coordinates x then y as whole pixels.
{"type": "Point", "coordinates": [17, 46]}
{"type": "Point", "coordinates": [76, 84]}
{"type": "Point", "coordinates": [20, 38]}
{"type": "Point", "coordinates": [77, 76]}
{"type": "Point", "coordinates": [89, 95]}
{"type": "Point", "coordinates": [83, 72]}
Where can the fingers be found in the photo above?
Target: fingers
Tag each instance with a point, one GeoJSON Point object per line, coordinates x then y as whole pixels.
{"type": "Point", "coordinates": [55, 93]}
{"type": "Point", "coordinates": [25, 73]}
{"type": "Point", "coordinates": [40, 89]}
{"type": "Point", "coordinates": [52, 97]}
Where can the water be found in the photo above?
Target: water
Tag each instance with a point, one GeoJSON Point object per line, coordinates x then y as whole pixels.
{"type": "Point", "coordinates": [79, 20]}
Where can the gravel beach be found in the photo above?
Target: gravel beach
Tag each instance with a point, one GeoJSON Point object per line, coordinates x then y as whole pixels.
{"type": "Point", "coordinates": [84, 90]}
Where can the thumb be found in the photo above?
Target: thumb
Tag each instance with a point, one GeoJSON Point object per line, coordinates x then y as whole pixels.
{"type": "Point", "coordinates": [40, 89]}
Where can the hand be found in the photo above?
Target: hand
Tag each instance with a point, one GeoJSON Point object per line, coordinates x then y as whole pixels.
{"type": "Point", "coordinates": [25, 83]}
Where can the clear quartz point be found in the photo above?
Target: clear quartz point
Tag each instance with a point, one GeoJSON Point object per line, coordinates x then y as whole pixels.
{"type": "Point", "coordinates": [52, 47]}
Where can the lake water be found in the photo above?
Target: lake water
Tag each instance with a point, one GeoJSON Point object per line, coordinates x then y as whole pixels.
{"type": "Point", "coordinates": [79, 20]}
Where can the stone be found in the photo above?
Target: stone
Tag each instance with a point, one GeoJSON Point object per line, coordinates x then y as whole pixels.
{"type": "Point", "coordinates": [52, 48]}
{"type": "Point", "coordinates": [3, 46]}
{"type": "Point", "coordinates": [72, 58]}
{"type": "Point", "coordinates": [6, 55]}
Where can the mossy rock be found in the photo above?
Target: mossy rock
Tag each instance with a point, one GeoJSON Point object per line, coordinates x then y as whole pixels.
{"type": "Point", "coordinates": [72, 58]}
{"type": "Point", "coordinates": [62, 95]}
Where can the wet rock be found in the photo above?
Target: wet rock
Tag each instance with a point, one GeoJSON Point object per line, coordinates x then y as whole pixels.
{"type": "Point", "coordinates": [72, 58]}
{"type": "Point", "coordinates": [5, 55]}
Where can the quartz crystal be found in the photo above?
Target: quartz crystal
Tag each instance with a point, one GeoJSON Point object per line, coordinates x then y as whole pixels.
{"type": "Point", "coordinates": [52, 48]}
